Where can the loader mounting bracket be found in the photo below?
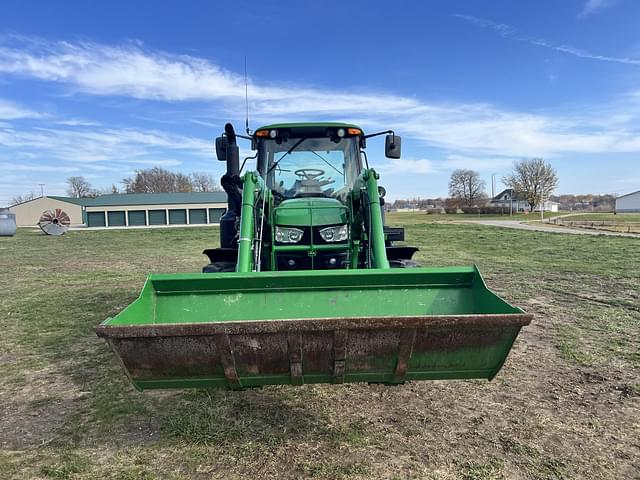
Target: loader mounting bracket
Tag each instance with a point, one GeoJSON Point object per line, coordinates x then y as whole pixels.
{"type": "Point", "coordinates": [221, 254]}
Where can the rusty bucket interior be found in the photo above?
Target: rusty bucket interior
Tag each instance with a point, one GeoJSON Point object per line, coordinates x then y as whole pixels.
{"type": "Point", "coordinates": [245, 330]}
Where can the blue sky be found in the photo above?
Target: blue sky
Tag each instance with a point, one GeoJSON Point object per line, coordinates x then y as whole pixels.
{"type": "Point", "coordinates": [101, 89]}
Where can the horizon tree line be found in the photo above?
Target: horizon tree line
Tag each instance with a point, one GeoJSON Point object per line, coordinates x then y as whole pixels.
{"type": "Point", "coordinates": [533, 179]}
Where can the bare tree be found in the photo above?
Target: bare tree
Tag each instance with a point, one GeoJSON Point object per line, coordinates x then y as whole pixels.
{"type": "Point", "coordinates": [466, 187]}
{"type": "Point", "coordinates": [78, 187]}
{"type": "Point", "coordinates": [533, 180]}
{"type": "Point", "coordinates": [23, 198]}
{"type": "Point", "coordinates": [203, 182]}
{"type": "Point", "coordinates": [157, 180]}
{"type": "Point", "coordinates": [113, 189]}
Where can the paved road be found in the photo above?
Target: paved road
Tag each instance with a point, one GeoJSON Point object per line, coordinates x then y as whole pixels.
{"type": "Point", "coordinates": [547, 228]}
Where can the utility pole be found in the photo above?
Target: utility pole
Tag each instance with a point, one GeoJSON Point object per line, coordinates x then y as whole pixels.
{"type": "Point", "coordinates": [511, 202]}
{"type": "Point", "coordinates": [41, 189]}
{"type": "Point", "coordinates": [542, 202]}
{"type": "Point", "coordinates": [493, 186]}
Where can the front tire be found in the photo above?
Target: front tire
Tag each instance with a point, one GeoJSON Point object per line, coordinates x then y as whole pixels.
{"type": "Point", "coordinates": [217, 267]}
{"type": "Point", "coordinates": [404, 263]}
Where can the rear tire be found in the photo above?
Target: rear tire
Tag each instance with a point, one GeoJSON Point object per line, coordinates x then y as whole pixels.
{"type": "Point", "coordinates": [404, 263]}
{"type": "Point", "coordinates": [217, 267]}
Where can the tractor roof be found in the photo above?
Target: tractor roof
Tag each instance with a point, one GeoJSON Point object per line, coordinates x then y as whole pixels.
{"type": "Point", "coordinates": [304, 125]}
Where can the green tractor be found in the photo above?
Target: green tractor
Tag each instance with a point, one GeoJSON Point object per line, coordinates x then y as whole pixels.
{"type": "Point", "coordinates": [307, 285]}
{"type": "Point", "coordinates": [314, 204]}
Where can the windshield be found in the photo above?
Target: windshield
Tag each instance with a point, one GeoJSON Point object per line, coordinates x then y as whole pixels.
{"type": "Point", "coordinates": [310, 167]}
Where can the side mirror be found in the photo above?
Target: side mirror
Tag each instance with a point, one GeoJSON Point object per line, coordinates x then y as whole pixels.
{"type": "Point", "coordinates": [221, 148]}
{"type": "Point", "coordinates": [392, 146]}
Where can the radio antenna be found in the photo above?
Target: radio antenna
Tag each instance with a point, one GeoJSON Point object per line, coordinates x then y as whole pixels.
{"type": "Point", "coordinates": [246, 97]}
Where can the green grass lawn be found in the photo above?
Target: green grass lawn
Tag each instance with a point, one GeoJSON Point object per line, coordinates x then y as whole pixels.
{"type": "Point", "coordinates": [566, 404]}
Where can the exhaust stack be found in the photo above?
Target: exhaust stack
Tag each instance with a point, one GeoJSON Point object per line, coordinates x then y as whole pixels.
{"type": "Point", "coordinates": [227, 149]}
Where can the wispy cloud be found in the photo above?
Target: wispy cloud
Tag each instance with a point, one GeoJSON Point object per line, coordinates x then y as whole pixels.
{"type": "Point", "coordinates": [407, 165]}
{"type": "Point", "coordinates": [444, 165]}
{"type": "Point", "coordinates": [120, 70]}
{"type": "Point", "coordinates": [593, 6]}
{"type": "Point", "coordinates": [100, 144]}
{"type": "Point", "coordinates": [507, 31]}
{"type": "Point", "coordinates": [485, 130]}
{"type": "Point", "coordinates": [156, 162]}
{"type": "Point", "coordinates": [48, 155]}
{"type": "Point", "coordinates": [133, 71]}
{"type": "Point", "coordinates": [12, 111]}
{"type": "Point", "coordinates": [75, 122]}
{"type": "Point", "coordinates": [482, 164]}
{"type": "Point", "coordinates": [20, 167]}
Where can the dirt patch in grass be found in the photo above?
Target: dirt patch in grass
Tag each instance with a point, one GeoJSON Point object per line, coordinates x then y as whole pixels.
{"type": "Point", "coordinates": [32, 415]}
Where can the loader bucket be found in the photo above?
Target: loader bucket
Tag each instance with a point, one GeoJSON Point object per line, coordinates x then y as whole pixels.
{"type": "Point", "coordinates": [242, 330]}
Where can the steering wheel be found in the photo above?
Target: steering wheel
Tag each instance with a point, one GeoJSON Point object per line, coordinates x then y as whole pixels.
{"type": "Point", "coordinates": [309, 173]}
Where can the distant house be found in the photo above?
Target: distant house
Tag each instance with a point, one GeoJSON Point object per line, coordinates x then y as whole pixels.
{"type": "Point", "coordinates": [508, 199]}
{"type": "Point", "coordinates": [628, 203]}
{"type": "Point", "coordinates": [128, 210]}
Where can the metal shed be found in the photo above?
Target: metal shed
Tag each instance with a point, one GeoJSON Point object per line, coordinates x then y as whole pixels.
{"type": "Point", "coordinates": [154, 209]}
{"type": "Point", "coordinates": [129, 210]}
{"type": "Point", "coordinates": [628, 203]}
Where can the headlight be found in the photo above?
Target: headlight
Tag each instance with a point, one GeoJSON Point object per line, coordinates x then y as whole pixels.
{"type": "Point", "coordinates": [335, 234]}
{"type": "Point", "coordinates": [288, 235]}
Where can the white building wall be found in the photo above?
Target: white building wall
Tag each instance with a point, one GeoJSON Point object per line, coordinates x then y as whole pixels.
{"type": "Point", "coordinates": [549, 206]}
{"type": "Point", "coordinates": [628, 203]}
{"type": "Point", "coordinates": [28, 213]}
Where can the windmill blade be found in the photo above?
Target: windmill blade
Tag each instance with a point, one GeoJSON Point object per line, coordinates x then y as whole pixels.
{"type": "Point", "coordinates": [54, 222]}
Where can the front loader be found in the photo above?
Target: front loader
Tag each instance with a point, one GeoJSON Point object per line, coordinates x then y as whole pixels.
{"type": "Point", "coordinates": [309, 285]}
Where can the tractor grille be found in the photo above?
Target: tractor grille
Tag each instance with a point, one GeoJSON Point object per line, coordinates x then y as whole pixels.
{"type": "Point", "coordinates": [321, 261]}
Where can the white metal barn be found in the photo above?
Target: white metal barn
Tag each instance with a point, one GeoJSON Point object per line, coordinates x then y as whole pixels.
{"type": "Point", "coordinates": [628, 203]}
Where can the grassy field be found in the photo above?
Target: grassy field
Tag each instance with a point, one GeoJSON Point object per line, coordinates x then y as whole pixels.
{"type": "Point", "coordinates": [566, 405]}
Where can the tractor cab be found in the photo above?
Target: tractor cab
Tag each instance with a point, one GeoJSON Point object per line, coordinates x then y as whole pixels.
{"type": "Point", "coordinates": [309, 170]}
{"type": "Point", "coordinates": [309, 160]}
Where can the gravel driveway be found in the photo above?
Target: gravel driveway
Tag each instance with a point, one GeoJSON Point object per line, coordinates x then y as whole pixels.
{"type": "Point", "coordinates": [548, 228]}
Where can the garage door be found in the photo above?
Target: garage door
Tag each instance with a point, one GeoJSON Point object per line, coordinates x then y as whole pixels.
{"type": "Point", "coordinates": [197, 215]}
{"type": "Point", "coordinates": [157, 217]}
{"type": "Point", "coordinates": [116, 219]}
{"type": "Point", "coordinates": [95, 219]}
{"type": "Point", "coordinates": [178, 217]}
{"type": "Point", "coordinates": [215, 214]}
{"type": "Point", "coordinates": [137, 217]}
